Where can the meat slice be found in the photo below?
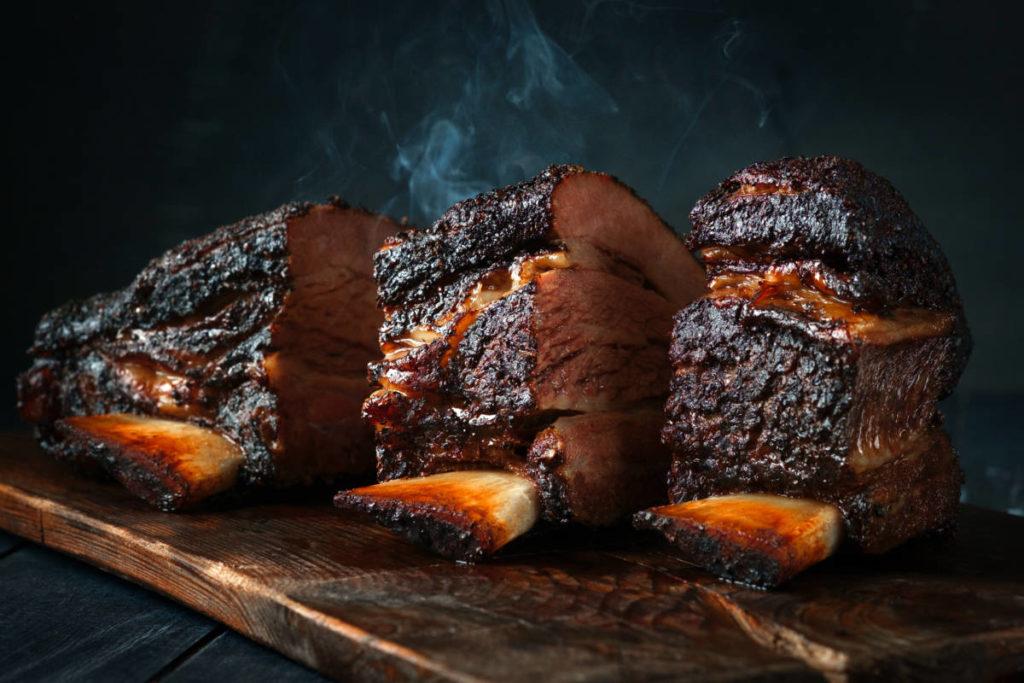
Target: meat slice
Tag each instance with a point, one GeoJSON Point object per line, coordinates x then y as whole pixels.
{"type": "Point", "coordinates": [259, 332]}
{"type": "Point", "coordinates": [813, 365]}
{"type": "Point", "coordinates": [595, 468]}
{"type": "Point", "coordinates": [519, 321]}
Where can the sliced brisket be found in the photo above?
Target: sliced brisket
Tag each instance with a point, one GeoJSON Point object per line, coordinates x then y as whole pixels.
{"type": "Point", "coordinates": [259, 332]}
{"type": "Point", "coordinates": [521, 325]}
{"type": "Point", "coordinates": [813, 365]}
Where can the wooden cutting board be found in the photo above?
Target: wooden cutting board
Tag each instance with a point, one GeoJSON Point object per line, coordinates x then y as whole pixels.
{"type": "Point", "coordinates": [353, 601]}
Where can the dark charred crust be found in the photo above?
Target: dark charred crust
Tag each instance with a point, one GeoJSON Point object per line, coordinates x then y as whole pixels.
{"type": "Point", "coordinates": [201, 320]}
{"type": "Point", "coordinates": [758, 405]}
{"type": "Point", "coordinates": [416, 437]}
{"type": "Point", "coordinates": [178, 283]}
{"type": "Point", "coordinates": [447, 532]}
{"type": "Point", "coordinates": [473, 233]}
{"type": "Point", "coordinates": [547, 456]}
{"type": "Point", "coordinates": [491, 368]}
{"type": "Point", "coordinates": [469, 404]}
{"type": "Point", "coordinates": [832, 210]}
{"type": "Point", "coordinates": [717, 555]}
{"type": "Point", "coordinates": [449, 295]}
{"type": "Point", "coordinates": [744, 385]}
{"type": "Point", "coordinates": [427, 312]}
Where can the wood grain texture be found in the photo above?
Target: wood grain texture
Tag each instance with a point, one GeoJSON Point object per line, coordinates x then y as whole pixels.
{"type": "Point", "coordinates": [352, 601]}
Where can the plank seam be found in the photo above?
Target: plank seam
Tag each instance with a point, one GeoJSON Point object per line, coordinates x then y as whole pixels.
{"type": "Point", "coordinates": [835, 664]}
{"type": "Point", "coordinates": [188, 653]}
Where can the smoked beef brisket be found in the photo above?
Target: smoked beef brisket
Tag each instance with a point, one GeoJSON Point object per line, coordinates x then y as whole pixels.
{"type": "Point", "coordinates": [813, 365]}
{"type": "Point", "coordinates": [258, 333]}
{"type": "Point", "coordinates": [527, 330]}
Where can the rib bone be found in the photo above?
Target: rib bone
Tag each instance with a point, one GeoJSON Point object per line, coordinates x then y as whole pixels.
{"type": "Point", "coordinates": [757, 539]}
{"type": "Point", "coordinates": [461, 515]}
{"type": "Point", "coordinates": [170, 464]}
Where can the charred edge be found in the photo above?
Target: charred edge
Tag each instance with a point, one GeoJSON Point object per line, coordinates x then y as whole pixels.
{"type": "Point", "coordinates": [547, 456]}
{"type": "Point", "coordinates": [714, 554]}
{"type": "Point", "coordinates": [834, 210]}
{"type": "Point", "coordinates": [463, 515]}
{"type": "Point", "coordinates": [169, 464]}
{"type": "Point", "coordinates": [164, 290]}
{"type": "Point", "coordinates": [758, 540]}
{"type": "Point", "coordinates": [165, 490]}
{"type": "Point", "coordinates": [473, 232]}
{"type": "Point", "coordinates": [449, 533]}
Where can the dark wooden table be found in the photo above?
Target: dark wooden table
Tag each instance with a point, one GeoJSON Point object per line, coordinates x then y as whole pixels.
{"type": "Point", "coordinates": [61, 619]}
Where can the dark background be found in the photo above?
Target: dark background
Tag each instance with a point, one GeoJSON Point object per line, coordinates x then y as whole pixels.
{"type": "Point", "coordinates": [133, 127]}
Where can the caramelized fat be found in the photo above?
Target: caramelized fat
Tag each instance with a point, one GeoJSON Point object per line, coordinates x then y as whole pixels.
{"type": "Point", "coordinates": [492, 287]}
{"type": "Point", "coordinates": [174, 394]}
{"type": "Point", "coordinates": [763, 189]}
{"type": "Point", "coordinates": [781, 288]}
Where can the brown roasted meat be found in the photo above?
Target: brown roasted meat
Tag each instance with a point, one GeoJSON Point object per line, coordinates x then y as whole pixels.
{"type": "Point", "coordinates": [813, 364]}
{"type": "Point", "coordinates": [257, 335]}
{"type": "Point", "coordinates": [527, 331]}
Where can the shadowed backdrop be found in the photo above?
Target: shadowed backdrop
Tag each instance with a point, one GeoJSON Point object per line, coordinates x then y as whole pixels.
{"type": "Point", "coordinates": [132, 127]}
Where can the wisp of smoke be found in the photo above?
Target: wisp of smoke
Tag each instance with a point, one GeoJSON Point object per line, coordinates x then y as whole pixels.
{"type": "Point", "coordinates": [517, 108]}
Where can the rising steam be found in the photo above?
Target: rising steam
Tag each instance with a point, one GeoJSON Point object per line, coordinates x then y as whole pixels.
{"type": "Point", "coordinates": [446, 100]}
{"type": "Point", "coordinates": [518, 108]}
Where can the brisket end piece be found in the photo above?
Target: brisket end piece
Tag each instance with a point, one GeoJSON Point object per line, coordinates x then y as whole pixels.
{"type": "Point", "coordinates": [813, 366]}
{"type": "Point", "coordinates": [527, 331]}
{"type": "Point", "coordinates": [259, 331]}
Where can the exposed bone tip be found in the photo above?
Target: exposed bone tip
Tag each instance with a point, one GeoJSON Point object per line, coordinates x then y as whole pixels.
{"type": "Point", "coordinates": [756, 539]}
{"type": "Point", "coordinates": [171, 465]}
{"type": "Point", "coordinates": [461, 515]}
